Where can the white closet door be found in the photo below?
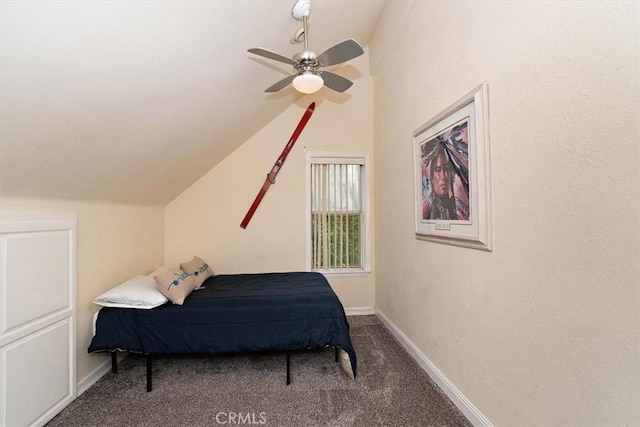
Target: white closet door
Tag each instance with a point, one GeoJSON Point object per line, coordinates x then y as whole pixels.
{"type": "Point", "coordinates": [37, 317]}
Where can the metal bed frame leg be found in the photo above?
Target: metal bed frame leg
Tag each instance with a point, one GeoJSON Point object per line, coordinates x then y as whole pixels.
{"type": "Point", "coordinates": [149, 370]}
{"type": "Point", "coordinates": [149, 363]}
{"type": "Point", "coordinates": [288, 368]}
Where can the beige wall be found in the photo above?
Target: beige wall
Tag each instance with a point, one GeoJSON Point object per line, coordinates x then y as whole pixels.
{"type": "Point", "coordinates": [205, 219]}
{"type": "Point", "coordinates": [115, 243]}
{"type": "Point", "coordinates": [544, 330]}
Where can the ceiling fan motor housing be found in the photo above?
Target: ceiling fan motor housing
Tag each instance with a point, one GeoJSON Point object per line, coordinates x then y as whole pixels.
{"type": "Point", "coordinates": [306, 55]}
{"type": "Point", "coordinates": [303, 67]}
{"type": "Point", "coordinates": [306, 62]}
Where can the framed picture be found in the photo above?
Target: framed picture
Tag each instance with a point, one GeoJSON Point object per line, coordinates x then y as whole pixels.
{"type": "Point", "coordinates": [451, 168]}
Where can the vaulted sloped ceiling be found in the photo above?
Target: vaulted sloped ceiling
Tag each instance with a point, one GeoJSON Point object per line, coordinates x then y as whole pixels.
{"type": "Point", "coordinates": [133, 101]}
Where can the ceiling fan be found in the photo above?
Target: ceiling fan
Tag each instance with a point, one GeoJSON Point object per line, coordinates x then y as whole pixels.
{"type": "Point", "coordinates": [308, 78]}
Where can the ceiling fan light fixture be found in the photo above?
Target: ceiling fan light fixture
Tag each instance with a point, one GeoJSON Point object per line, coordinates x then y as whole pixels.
{"type": "Point", "coordinates": [308, 82]}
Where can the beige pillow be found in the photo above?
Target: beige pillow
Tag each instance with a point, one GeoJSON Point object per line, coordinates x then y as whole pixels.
{"type": "Point", "coordinates": [161, 269]}
{"type": "Point", "coordinates": [198, 269]}
{"type": "Point", "coordinates": [176, 285]}
{"type": "Point", "coordinates": [345, 363]}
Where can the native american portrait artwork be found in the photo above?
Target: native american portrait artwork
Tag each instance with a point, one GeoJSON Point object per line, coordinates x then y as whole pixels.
{"type": "Point", "coordinates": [445, 174]}
{"type": "Point", "coordinates": [452, 175]}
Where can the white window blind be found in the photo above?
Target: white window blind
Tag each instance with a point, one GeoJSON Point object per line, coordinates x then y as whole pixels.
{"type": "Point", "coordinates": [336, 214]}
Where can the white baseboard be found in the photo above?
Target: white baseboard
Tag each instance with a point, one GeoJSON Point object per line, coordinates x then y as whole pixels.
{"type": "Point", "coordinates": [96, 374]}
{"type": "Point", "coordinates": [359, 311]}
{"type": "Point", "coordinates": [93, 377]}
{"type": "Point", "coordinates": [462, 403]}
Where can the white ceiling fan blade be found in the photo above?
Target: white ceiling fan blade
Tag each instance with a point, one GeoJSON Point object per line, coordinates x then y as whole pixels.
{"type": "Point", "coordinates": [340, 53]}
{"type": "Point", "coordinates": [272, 55]}
{"type": "Point", "coordinates": [281, 84]}
{"type": "Point", "coordinates": [335, 81]}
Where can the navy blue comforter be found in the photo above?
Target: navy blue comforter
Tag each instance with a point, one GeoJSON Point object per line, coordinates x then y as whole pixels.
{"type": "Point", "coordinates": [233, 314]}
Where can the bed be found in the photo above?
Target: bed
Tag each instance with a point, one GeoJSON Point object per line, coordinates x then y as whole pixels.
{"type": "Point", "coordinates": [235, 313]}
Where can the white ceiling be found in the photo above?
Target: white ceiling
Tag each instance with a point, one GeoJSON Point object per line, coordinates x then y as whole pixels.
{"type": "Point", "coordinates": [133, 101]}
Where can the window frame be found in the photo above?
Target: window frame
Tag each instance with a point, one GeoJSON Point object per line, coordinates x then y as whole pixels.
{"type": "Point", "coordinates": [319, 157]}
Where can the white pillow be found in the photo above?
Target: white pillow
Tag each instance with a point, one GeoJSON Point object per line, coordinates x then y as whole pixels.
{"type": "Point", "coordinates": [138, 292]}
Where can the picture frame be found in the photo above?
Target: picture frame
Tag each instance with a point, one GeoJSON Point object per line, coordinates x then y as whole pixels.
{"type": "Point", "coordinates": [452, 174]}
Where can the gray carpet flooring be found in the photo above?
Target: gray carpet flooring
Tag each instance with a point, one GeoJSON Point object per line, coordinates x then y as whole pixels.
{"type": "Point", "coordinates": [390, 390]}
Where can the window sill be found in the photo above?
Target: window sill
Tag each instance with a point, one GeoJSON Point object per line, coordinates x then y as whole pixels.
{"type": "Point", "coordinates": [345, 273]}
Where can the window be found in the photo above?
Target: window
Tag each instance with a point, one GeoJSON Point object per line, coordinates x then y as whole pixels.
{"type": "Point", "coordinates": [337, 220]}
